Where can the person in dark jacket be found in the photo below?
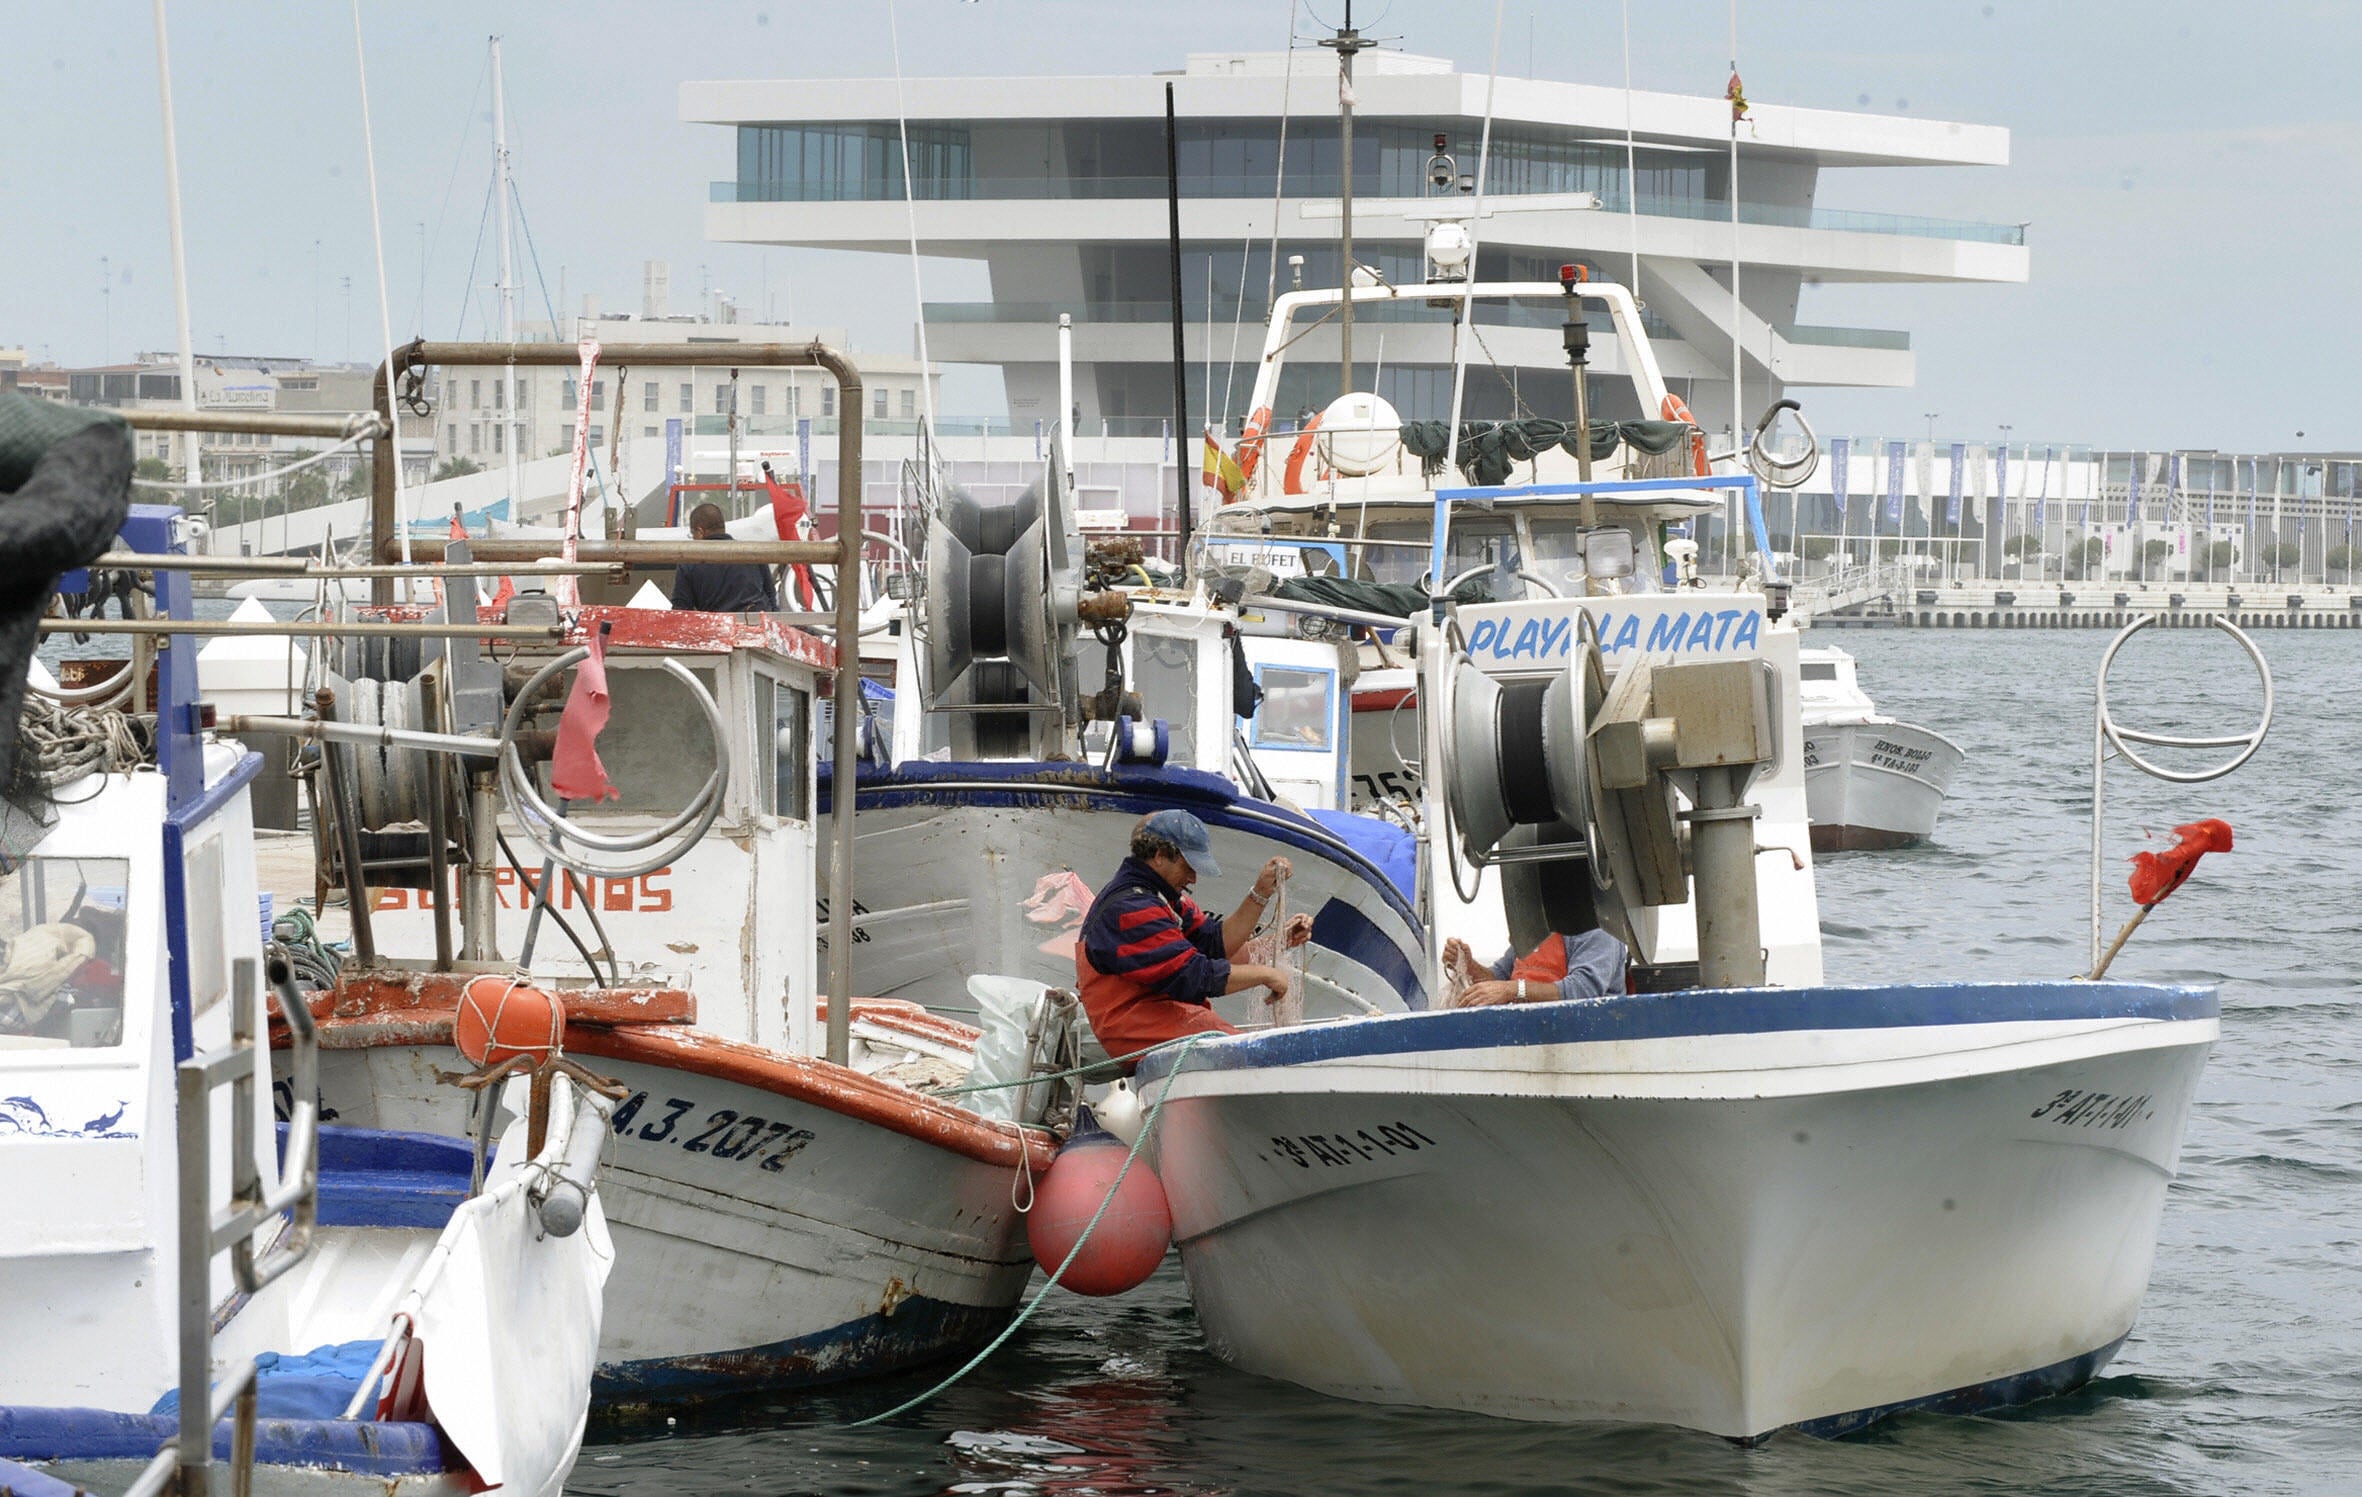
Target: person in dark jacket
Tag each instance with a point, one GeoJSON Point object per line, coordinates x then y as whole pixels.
{"type": "Point", "coordinates": [721, 586]}
{"type": "Point", "coordinates": [1150, 962]}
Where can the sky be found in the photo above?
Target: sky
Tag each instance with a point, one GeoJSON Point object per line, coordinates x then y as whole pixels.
{"type": "Point", "coordinates": [2188, 172]}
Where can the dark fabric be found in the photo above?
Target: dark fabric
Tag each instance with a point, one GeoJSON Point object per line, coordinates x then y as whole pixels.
{"type": "Point", "coordinates": [30, 426]}
{"type": "Point", "coordinates": [1144, 930]}
{"type": "Point", "coordinates": [1245, 695]}
{"type": "Point", "coordinates": [73, 499]}
{"type": "Point", "coordinates": [1401, 599]}
{"type": "Point", "coordinates": [724, 587]}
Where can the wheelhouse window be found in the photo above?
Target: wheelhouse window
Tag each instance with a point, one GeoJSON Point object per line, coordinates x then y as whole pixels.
{"type": "Point", "coordinates": [786, 790]}
{"type": "Point", "coordinates": [1164, 672]}
{"type": "Point", "coordinates": [62, 953]}
{"type": "Point", "coordinates": [1299, 709]}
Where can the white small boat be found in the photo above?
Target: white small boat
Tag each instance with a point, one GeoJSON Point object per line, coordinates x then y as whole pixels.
{"type": "Point", "coordinates": [403, 1329]}
{"type": "Point", "coordinates": [1870, 781]}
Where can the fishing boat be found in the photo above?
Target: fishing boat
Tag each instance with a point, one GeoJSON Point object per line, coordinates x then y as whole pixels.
{"type": "Point", "coordinates": [365, 1309]}
{"type": "Point", "coordinates": [1736, 1198]}
{"type": "Point", "coordinates": [1871, 781]}
{"type": "Point", "coordinates": [1335, 520]}
{"type": "Point", "coordinates": [793, 1196]}
{"type": "Point", "coordinates": [1044, 702]}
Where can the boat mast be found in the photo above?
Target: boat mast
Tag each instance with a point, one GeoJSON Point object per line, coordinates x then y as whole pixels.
{"type": "Point", "coordinates": [1347, 41]}
{"type": "Point", "coordinates": [502, 189]}
{"type": "Point", "coordinates": [180, 258]}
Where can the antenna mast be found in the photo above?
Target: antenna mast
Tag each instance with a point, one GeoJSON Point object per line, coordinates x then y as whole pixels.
{"type": "Point", "coordinates": [502, 188]}
{"type": "Point", "coordinates": [1347, 41]}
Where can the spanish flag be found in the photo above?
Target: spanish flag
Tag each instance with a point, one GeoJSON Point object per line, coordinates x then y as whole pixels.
{"type": "Point", "coordinates": [1220, 473]}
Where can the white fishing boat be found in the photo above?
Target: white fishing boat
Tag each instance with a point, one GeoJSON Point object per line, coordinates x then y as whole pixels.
{"type": "Point", "coordinates": [1871, 781]}
{"type": "Point", "coordinates": [364, 1310]}
{"type": "Point", "coordinates": [1735, 1198]}
{"type": "Point", "coordinates": [790, 1202]}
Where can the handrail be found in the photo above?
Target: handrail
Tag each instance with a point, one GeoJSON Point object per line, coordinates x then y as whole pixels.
{"type": "Point", "coordinates": [185, 1465]}
{"type": "Point", "coordinates": [2105, 732]}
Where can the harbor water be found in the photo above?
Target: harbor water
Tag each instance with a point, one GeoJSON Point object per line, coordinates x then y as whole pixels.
{"type": "Point", "coordinates": [2244, 1373]}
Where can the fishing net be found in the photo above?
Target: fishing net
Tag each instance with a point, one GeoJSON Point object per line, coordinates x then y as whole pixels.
{"type": "Point", "coordinates": [1268, 947]}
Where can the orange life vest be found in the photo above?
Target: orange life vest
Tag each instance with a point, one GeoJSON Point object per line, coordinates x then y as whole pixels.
{"type": "Point", "coordinates": [1546, 963]}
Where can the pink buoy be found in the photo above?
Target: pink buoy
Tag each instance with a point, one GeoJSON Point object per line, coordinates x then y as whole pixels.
{"type": "Point", "coordinates": [1133, 1233]}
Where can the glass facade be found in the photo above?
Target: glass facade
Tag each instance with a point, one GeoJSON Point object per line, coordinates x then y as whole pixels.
{"type": "Point", "coordinates": [1090, 159]}
{"type": "Point", "coordinates": [850, 162]}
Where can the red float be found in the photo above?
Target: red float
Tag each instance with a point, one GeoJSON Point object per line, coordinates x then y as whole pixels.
{"type": "Point", "coordinates": [1132, 1235]}
{"type": "Point", "coordinates": [500, 1018]}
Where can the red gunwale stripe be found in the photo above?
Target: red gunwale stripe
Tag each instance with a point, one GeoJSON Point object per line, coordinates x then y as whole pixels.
{"type": "Point", "coordinates": [837, 1088]}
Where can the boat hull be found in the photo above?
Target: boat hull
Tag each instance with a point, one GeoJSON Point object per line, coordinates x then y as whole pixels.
{"type": "Point", "coordinates": [767, 1233]}
{"type": "Point", "coordinates": [1588, 1214]}
{"type": "Point", "coordinates": [989, 869]}
{"type": "Point", "coordinates": [1872, 785]}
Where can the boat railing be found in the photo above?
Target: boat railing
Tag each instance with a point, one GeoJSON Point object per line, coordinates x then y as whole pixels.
{"type": "Point", "coordinates": [2106, 734]}
{"type": "Point", "coordinates": [185, 1466]}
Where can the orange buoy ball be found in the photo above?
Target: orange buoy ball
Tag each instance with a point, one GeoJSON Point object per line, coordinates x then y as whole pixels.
{"type": "Point", "coordinates": [1133, 1233]}
{"type": "Point", "coordinates": [500, 1018]}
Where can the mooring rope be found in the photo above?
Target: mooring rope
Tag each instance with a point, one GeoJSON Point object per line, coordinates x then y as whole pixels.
{"type": "Point", "coordinates": [1147, 1127]}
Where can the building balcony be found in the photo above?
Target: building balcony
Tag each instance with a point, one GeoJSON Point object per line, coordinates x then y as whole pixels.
{"type": "Point", "coordinates": [1612, 200]}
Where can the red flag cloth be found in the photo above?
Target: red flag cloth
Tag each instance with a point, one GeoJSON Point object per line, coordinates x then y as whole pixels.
{"type": "Point", "coordinates": [2157, 874]}
{"type": "Point", "coordinates": [788, 515]}
{"type": "Point", "coordinates": [574, 770]}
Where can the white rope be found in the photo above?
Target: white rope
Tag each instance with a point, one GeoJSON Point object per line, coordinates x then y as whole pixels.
{"type": "Point", "coordinates": [910, 208]}
{"type": "Point", "coordinates": [1279, 178]}
{"type": "Point", "coordinates": [1484, 152]}
{"type": "Point", "coordinates": [1631, 167]}
{"type": "Point", "coordinates": [355, 440]}
{"type": "Point", "coordinates": [385, 316]}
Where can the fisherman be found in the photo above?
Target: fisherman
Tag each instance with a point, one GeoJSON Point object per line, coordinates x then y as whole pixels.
{"type": "Point", "coordinates": [1150, 962]}
{"type": "Point", "coordinates": [721, 586]}
{"type": "Point", "coordinates": [1586, 965]}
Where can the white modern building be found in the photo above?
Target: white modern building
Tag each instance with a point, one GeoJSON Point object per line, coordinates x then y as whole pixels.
{"type": "Point", "coordinates": [1058, 185]}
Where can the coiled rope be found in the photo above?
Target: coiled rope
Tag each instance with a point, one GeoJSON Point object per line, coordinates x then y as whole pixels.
{"type": "Point", "coordinates": [62, 744]}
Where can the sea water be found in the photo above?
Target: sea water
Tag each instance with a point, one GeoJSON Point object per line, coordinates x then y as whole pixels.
{"type": "Point", "coordinates": [2244, 1373]}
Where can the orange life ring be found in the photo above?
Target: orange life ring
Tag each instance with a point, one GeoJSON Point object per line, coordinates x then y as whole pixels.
{"type": "Point", "coordinates": [1301, 451]}
{"type": "Point", "coordinates": [1250, 445]}
{"type": "Point", "coordinates": [1677, 409]}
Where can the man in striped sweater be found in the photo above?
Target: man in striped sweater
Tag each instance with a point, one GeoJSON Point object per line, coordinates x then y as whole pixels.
{"type": "Point", "coordinates": [1150, 962]}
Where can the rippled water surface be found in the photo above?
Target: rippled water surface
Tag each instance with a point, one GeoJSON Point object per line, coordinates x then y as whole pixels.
{"type": "Point", "coordinates": [2245, 1372]}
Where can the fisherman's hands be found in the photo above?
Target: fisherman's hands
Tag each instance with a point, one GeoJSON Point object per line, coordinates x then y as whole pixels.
{"type": "Point", "coordinates": [1299, 930]}
{"type": "Point", "coordinates": [1458, 961]}
{"type": "Point", "coordinates": [1274, 873]}
{"type": "Point", "coordinates": [1494, 990]}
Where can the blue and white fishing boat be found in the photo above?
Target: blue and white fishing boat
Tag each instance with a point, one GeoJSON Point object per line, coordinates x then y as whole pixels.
{"type": "Point", "coordinates": [1735, 1198]}
{"type": "Point", "coordinates": [373, 1311]}
{"type": "Point", "coordinates": [1043, 706]}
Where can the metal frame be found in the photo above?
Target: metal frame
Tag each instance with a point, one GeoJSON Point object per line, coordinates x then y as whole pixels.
{"type": "Point", "coordinates": [2105, 732]}
{"type": "Point", "coordinates": [186, 1465]}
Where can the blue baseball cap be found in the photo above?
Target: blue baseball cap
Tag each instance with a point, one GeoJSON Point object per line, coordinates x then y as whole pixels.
{"type": "Point", "coordinates": [1188, 834]}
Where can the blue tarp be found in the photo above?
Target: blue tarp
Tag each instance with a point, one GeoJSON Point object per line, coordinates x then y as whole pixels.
{"type": "Point", "coordinates": [1383, 842]}
{"type": "Point", "coordinates": [315, 1385]}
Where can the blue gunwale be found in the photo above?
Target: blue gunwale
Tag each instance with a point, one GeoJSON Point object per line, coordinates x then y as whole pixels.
{"type": "Point", "coordinates": [1697, 1011]}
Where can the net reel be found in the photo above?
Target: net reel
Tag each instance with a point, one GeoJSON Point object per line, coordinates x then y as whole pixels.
{"type": "Point", "coordinates": [1535, 784]}
{"type": "Point", "coordinates": [1003, 585]}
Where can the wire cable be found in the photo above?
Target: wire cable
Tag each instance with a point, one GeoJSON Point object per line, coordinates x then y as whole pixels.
{"type": "Point", "coordinates": [385, 316]}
